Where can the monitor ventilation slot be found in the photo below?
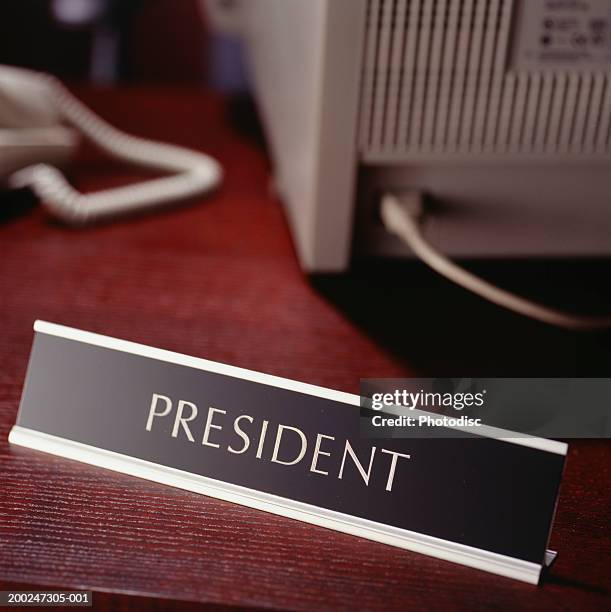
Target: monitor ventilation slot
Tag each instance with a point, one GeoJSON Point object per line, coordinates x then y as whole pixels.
{"type": "Point", "coordinates": [436, 82]}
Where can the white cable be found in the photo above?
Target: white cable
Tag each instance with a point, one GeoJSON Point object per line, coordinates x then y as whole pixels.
{"type": "Point", "coordinates": [193, 173]}
{"type": "Point", "coordinates": [401, 216]}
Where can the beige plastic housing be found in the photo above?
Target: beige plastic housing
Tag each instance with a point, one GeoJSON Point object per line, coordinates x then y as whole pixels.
{"type": "Point", "coordinates": [30, 130]}
{"type": "Point", "coordinates": [363, 96]}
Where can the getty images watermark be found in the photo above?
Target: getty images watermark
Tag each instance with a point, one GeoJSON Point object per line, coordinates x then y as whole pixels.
{"type": "Point", "coordinates": [457, 407]}
{"type": "Point", "coordinates": [422, 400]}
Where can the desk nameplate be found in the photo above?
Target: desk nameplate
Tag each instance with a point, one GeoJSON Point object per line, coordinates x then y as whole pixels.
{"type": "Point", "coordinates": [288, 448]}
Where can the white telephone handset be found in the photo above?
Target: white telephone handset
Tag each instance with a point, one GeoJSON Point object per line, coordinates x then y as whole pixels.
{"type": "Point", "coordinates": [40, 125]}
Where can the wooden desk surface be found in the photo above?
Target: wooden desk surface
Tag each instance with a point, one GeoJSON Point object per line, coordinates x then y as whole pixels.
{"type": "Point", "coordinates": [219, 279]}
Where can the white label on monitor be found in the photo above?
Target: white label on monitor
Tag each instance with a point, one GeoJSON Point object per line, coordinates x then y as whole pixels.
{"type": "Point", "coordinates": [562, 34]}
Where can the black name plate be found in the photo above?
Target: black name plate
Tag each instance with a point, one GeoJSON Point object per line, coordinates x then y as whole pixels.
{"type": "Point", "coordinates": [288, 448]}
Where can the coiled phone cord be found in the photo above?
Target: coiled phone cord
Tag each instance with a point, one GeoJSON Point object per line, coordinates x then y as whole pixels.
{"type": "Point", "coordinates": [193, 173]}
{"type": "Point", "coordinates": [402, 215]}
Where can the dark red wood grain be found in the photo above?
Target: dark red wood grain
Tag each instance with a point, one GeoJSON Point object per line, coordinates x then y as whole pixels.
{"type": "Point", "coordinates": [219, 279]}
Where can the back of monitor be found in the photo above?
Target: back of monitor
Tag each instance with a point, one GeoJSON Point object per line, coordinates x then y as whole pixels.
{"type": "Point", "coordinates": [499, 110]}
